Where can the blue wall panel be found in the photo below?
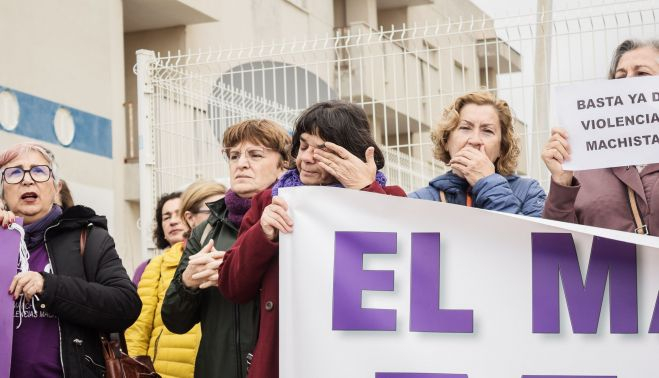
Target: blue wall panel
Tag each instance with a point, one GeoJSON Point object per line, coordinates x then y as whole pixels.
{"type": "Point", "coordinates": [93, 134]}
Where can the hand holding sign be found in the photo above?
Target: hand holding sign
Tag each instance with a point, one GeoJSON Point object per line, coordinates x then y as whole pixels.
{"type": "Point", "coordinates": [555, 153]}
{"type": "Point", "coordinates": [27, 284]}
{"type": "Point", "coordinates": [6, 218]}
{"type": "Point", "coordinates": [275, 219]}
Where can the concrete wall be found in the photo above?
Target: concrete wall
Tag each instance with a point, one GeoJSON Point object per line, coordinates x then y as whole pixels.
{"type": "Point", "coordinates": [70, 53]}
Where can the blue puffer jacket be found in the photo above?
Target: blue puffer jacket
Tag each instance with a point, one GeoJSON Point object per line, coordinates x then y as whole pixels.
{"type": "Point", "coordinates": [508, 194]}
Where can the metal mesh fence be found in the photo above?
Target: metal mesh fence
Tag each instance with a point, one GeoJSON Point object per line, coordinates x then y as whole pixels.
{"type": "Point", "coordinates": [402, 77]}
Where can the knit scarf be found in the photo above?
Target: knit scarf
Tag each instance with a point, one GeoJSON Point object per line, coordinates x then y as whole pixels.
{"type": "Point", "coordinates": [35, 232]}
{"type": "Point", "coordinates": [237, 207]}
{"type": "Point", "coordinates": [291, 178]}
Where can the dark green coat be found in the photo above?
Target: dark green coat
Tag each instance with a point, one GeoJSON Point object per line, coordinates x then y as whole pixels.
{"type": "Point", "coordinates": [228, 330]}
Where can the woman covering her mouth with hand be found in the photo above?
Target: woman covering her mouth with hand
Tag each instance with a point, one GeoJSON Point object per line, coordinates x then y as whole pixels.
{"type": "Point", "coordinates": [476, 139]}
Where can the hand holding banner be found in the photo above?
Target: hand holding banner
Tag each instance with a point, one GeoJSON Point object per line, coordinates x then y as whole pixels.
{"type": "Point", "coordinates": [610, 123]}
{"type": "Point", "coordinates": [381, 286]}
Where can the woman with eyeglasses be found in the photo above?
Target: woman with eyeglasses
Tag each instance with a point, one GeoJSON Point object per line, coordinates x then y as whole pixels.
{"type": "Point", "coordinates": [257, 152]}
{"type": "Point", "coordinates": [64, 297]}
{"type": "Point", "coordinates": [332, 146]}
{"type": "Point", "coordinates": [172, 354]}
{"type": "Point", "coordinates": [194, 202]}
{"type": "Point", "coordinates": [618, 198]}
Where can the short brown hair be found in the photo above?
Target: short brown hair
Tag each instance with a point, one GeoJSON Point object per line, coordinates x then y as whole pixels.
{"type": "Point", "coordinates": [263, 132]}
{"type": "Point", "coordinates": [193, 197]}
{"type": "Point", "coordinates": [507, 161]}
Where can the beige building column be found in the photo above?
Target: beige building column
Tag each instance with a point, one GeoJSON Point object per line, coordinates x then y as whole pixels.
{"type": "Point", "coordinates": [362, 11]}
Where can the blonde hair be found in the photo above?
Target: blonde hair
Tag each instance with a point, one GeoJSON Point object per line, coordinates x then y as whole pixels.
{"type": "Point", "coordinates": [507, 161]}
{"type": "Point", "coordinates": [193, 197]}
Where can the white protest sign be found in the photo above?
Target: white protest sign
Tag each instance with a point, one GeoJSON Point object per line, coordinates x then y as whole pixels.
{"type": "Point", "coordinates": [387, 287]}
{"type": "Point", "coordinates": [610, 123]}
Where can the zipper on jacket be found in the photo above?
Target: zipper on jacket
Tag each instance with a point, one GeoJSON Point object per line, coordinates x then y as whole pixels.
{"type": "Point", "coordinates": [155, 346]}
{"type": "Point", "coordinates": [52, 267]}
{"type": "Point", "coordinates": [78, 343]}
{"type": "Point", "coordinates": [239, 352]}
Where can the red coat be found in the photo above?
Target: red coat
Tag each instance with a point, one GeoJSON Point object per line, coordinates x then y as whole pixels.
{"type": "Point", "coordinates": [251, 267]}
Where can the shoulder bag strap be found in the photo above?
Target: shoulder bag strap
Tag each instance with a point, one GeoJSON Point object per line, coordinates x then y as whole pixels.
{"type": "Point", "coordinates": [114, 342]}
{"type": "Point", "coordinates": [442, 196]}
{"type": "Point", "coordinates": [641, 228]}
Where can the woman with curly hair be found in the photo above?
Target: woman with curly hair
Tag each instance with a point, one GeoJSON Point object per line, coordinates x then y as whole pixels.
{"type": "Point", "coordinates": [476, 139]}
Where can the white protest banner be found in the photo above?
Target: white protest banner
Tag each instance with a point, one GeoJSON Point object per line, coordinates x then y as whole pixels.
{"type": "Point", "coordinates": [374, 286]}
{"type": "Point", "coordinates": [610, 123]}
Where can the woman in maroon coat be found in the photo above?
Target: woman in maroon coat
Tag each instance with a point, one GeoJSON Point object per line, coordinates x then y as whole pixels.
{"type": "Point", "coordinates": [619, 198]}
{"type": "Point", "coordinates": [332, 146]}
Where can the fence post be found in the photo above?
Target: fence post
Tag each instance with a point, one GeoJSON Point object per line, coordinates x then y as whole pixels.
{"type": "Point", "coordinates": [145, 116]}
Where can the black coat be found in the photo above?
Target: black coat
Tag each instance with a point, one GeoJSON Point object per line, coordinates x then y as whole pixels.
{"type": "Point", "coordinates": [228, 330]}
{"type": "Point", "coordinates": [90, 294]}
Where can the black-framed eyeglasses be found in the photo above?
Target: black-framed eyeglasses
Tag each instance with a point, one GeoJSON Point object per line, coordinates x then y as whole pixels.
{"type": "Point", "coordinates": [16, 175]}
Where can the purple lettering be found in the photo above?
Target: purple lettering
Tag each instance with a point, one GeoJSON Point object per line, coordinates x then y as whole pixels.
{"type": "Point", "coordinates": [350, 279]}
{"type": "Point", "coordinates": [555, 255]}
{"type": "Point", "coordinates": [425, 314]}
{"type": "Point", "coordinates": [654, 323]}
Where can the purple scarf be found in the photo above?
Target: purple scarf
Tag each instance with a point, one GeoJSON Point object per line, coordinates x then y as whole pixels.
{"type": "Point", "coordinates": [35, 232]}
{"type": "Point", "coordinates": [292, 178]}
{"type": "Point", "coordinates": [237, 207]}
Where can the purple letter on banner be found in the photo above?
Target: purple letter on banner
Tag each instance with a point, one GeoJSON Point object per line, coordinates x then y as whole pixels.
{"type": "Point", "coordinates": [9, 245]}
{"type": "Point", "coordinates": [350, 279]}
{"type": "Point", "coordinates": [654, 323]}
{"type": "Point", "coordinates": [419, 375]}
{"type": "Point", "coordinates": [569, 376]}
{"type": "Point", "coordinates": [425, 314]}
{"type": "Point", "coordinates": [554, 255]}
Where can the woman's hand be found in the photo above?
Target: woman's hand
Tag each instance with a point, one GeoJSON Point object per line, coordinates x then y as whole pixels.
{"type": "Point", "coordinates": [557, 151]}
{"type": "Point", "coordinates": [275, 219]}
{"type": "Point", "coordinates": [26, 283]}
{"type": "Point", "coordinates": [472, 164]}
{"type": "Point", "coordinates": [347, 168]}
{"type": "Point", "coordinates": [6, 218]}
{"type": "Point", "coordinates": [201, 271]}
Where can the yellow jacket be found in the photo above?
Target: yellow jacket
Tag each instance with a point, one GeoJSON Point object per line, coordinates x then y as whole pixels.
{"type": "Point", "coordinates": [173, 355]}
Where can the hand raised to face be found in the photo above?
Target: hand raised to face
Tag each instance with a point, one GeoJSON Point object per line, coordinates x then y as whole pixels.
{"type": "Point", "coordinates": [347, 168]}
{"type": "Point", "coordinates": [472, 164]}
